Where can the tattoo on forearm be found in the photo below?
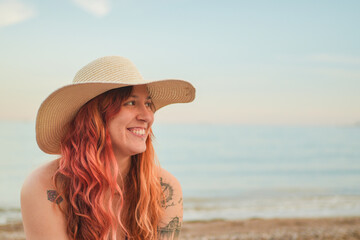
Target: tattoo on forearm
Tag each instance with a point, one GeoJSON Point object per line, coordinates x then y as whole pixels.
{"type": "Point", "coordinates": [53, 196]}
{"type": "Point", "coordinates": [170, 231]}
{"type": "Point", "coordinates": [168, 192]}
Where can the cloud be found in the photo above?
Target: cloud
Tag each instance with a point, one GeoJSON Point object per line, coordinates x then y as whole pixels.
{"type": "Point", "coordinates": [98, 8]}
{"type": "Point", "coordinates": [13, 11]}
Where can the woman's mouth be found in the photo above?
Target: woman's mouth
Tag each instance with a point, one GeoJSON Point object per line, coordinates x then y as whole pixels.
{"type": "Point", "coordinates": [140, 132]}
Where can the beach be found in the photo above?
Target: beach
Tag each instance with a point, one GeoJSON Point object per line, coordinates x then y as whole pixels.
{"type": "Point", "coordinates": [339, 228]}
{"type": "Point", "coordinates": [271, 229]}
{"type": "Point", "coordinates": [282, 182]}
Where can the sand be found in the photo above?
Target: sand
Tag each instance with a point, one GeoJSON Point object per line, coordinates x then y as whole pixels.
{"type": "Point", "coordinates": [251, 229]}
{"type": "Point", "coordinates": [271, 229]}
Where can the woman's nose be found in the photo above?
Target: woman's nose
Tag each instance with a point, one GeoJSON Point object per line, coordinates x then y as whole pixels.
{"type": "Point", "coordinates": [145, 114]}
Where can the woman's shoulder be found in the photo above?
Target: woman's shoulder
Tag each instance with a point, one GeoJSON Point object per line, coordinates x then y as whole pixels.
{"type": "Point", "coordinates": [40, 178]}
{"type": "Point", "coordinates": [173, 204]}
{"type": "Point", "coordinates": [41, 214]}
{"type": "Point", "coordinates": [171, 187]}
{"type": "Point", "coordinates": [166, 176]}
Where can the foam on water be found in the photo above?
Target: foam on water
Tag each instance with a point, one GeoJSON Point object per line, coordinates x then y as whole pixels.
{"type": "Point", "coordinates": [271, 207]}
{"type": "Point", "coordinates": [9, 215]}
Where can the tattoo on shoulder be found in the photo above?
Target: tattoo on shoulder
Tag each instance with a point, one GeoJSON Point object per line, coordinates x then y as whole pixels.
{"type": "Point", "coordinates": [168, 192]}
{"type": "Point", "coordinates": [53, 196]}
{"type": "Point", "coordinates": [171, 230]}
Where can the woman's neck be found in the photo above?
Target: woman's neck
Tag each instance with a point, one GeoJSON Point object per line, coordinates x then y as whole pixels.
{"type": "Point", "coordinates": [123, 164]}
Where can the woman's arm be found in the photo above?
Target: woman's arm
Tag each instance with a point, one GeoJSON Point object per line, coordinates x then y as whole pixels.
{"type": "Point", "coordinates": [41, 215]}
{"type": "Point", "coordinates": [171, 222]}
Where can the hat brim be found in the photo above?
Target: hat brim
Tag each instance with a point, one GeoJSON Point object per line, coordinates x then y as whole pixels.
{"type": "Point", "coordinates": [61, 106]}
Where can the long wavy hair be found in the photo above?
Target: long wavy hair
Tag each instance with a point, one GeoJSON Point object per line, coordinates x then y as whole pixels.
{"type": "Point", "coordinates": [88, 178]}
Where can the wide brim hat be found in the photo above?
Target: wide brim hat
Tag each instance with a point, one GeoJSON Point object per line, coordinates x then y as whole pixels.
{"type": "Point", "coordinates": [97, 77]}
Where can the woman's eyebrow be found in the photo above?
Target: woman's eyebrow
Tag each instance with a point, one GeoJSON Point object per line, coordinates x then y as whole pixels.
{"type": "Point", "coordinates": [136, 96]}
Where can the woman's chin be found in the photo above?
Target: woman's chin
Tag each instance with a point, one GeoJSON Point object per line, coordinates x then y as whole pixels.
{"type": "Point", "coordinates": [139, 150]}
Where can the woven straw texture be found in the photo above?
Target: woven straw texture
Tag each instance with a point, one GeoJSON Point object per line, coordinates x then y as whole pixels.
{"type": "Point", "coordinates": [92, 80]}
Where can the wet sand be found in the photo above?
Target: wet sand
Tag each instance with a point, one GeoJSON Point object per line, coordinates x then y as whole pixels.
{"type": "Point", "coordinates": [260, 229]}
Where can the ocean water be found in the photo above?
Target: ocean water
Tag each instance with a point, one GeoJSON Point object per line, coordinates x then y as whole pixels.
{"type": "Point", "coordinates": [227, 171]}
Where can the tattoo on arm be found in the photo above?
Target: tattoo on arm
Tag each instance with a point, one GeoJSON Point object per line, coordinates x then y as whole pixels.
{"type": "Point", "coordinates": [170, 231]}
{"type": "Point", "coordinates": [169, 193]}
{"type": "Point", "coordinates": [53, 196]}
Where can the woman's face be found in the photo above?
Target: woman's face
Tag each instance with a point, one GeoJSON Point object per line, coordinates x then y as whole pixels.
{"type": "Point", "coordinates": [130, 127]}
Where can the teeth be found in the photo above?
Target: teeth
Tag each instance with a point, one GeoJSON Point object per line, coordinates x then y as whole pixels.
{"type": "Point", "coordinates": [138, 131]}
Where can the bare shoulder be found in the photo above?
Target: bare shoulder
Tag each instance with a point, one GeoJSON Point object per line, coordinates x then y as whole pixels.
{"type": "Point", "coordinates": [171, 222]}
{"type": "Point", "coordinates": [168, 179]}
{"type": "Point", "coordinates": [38, 181]}
{"type": "Point", "coordinates": [42, 217]}
{"type": "Point", "coordinates": [42, 174]}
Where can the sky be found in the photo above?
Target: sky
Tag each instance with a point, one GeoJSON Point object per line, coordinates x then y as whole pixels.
{"type": "Point", "coordinates": [251, 62]}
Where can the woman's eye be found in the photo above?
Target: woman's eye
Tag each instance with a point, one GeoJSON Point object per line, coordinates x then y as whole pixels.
{"type": "Point", "coordinates": [151, 106]}
{"type": "Point", "coordinates": [130, 103]}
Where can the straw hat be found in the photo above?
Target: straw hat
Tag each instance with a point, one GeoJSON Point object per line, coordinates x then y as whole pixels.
{"type": "Point", "coordinates": [97, 77]}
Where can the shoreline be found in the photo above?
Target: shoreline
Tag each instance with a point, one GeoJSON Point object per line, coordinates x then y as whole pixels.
{"type": "Point", "coordinates": [329, 228]}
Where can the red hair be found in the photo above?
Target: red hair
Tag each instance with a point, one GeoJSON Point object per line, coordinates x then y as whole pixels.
{"type": "Point", "coordinates": [88, 174]}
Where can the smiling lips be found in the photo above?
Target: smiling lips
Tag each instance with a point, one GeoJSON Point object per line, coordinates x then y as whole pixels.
{"type": "Point", "coordinates": [140, 132]}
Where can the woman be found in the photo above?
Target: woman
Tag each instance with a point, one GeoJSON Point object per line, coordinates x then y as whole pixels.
{"type": "Point", "coordinates": [106, 183]}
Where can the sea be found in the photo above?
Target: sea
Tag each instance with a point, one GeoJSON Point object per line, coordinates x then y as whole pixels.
{"type": "Point", "coordinates": [226, 171]}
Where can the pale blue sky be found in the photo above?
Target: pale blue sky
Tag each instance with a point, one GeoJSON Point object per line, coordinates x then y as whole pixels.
{"type": "Point", "coordinates": [252, 62]}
